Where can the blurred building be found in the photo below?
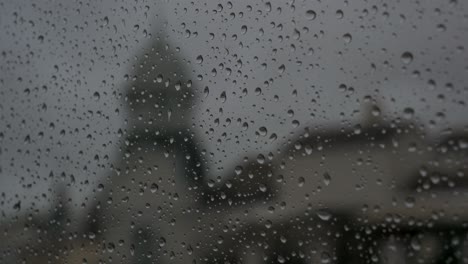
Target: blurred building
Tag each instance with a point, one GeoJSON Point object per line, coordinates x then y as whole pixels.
{"type": "Point", "coordinates": [375, 193]}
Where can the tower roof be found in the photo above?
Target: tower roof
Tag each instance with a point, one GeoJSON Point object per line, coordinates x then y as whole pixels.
{"type": "Point", "coordinates": [159, 94]}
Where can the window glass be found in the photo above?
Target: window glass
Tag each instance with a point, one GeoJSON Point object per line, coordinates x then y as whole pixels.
{"type": "Point", "coordinates": [160, 131]}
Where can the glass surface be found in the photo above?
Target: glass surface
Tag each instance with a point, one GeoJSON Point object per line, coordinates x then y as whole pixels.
{"type": "Point", "coordinates": [250, 132]}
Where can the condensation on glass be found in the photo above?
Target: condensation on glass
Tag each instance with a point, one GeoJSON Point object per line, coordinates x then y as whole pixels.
{"type": "Point", "coordinates": [234, 131]}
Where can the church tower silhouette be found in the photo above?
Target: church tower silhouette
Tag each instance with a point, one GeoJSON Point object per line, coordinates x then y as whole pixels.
{"type": "Point", "coordinates": [158, 175]}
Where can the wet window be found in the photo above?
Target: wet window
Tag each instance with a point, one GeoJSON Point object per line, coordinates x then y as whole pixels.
{"type": "Point", "coordinates": [160, 131]}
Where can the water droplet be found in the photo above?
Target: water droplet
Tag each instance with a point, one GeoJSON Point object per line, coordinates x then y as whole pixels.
{"type": "Point", "coordinates": [311, 15]}
{"type": "Point", "coordinates": [357, 129]}
{"type": "Point", "coordinates": [178, 86]}
{"type": "Point", "coordinates": [17, 206]}
{"type": "Point", "coordinates": [238, 170]}
{"type": "Point", "coordinates": [260, 159]}
{"type": "Point", "coordinates": [347, 38]}
{"type": "Point", "coordinates": [301, 181]}
{"type": "Point", "coordinates": [154, 187]}
{"type": "Point", "coordinates": [281, 68]}
{"type": "Point", "coordinates": [199, 59]}
{"type": "Point", "coordinates": [339, 14]}
{"type": "Point", "coordinates": [326, 178]}
{"type": "Point", "coordinates": [283, 239]}
{"type": "Point", "coordinates": [325, 257]}
{"type": "Point", "coordinates": [324, 214]}
{"type": "Point", "coordinates": [258, 91]}
{"type": "Point", "coordinates": [96, 96]}
{"type": "Point", "coordinates": [162, 241]}
{"type": "Point", "coordinates": [375, 110]}
{"type": "Point", "coordinates": [273, 137]}
{"type": "Point", "coordinates": [263, 131]}
{"type": "Point", "coordinates": [409, 202]}
{"type": "Point", "coordinates": [415, 244]}
{"type": "Point", "coordinates": [308, 149]}
{"type": "Point", "coordinates": [223, 97]}
{"type": "Point", "coordinates": [110, 247]}
{"type": "Point", "coordinates": [243, 30]}
{"type": "Point", "coordinates": [295, 123]}
{"type": "Point", "coordinates": [407, 57]}
{"type": "Point", "coordinates": [408, 113]}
